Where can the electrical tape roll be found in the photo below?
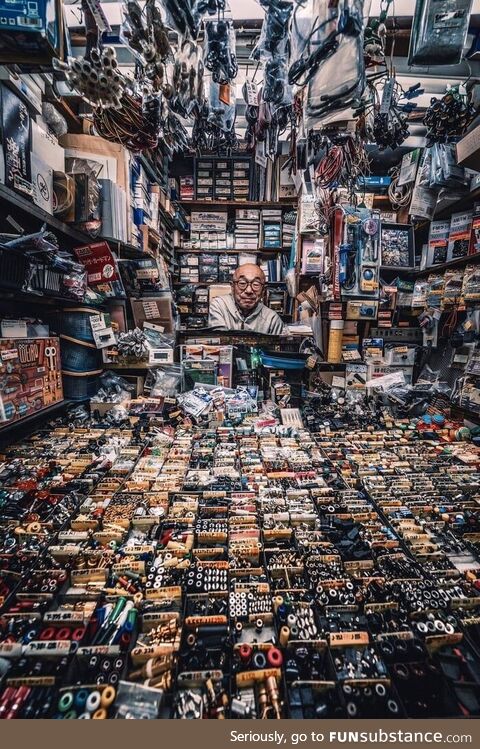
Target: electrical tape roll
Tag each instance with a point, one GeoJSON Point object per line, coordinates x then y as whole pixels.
{"type": "Point", "coordinates": [94, 700]}
{"type": "Point", "coordinates": [108, 696]}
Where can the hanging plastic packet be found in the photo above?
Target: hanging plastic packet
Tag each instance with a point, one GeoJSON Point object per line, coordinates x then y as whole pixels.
{"type": "Point", "coordinates": [145, 34]}
{"type": "Point", "coordinates": [445, 171]}
{"type": "Point", "coordinates": [327, 50]}
{"type": "Point", "coordinates": [181, 16]}
{"type": "Point", "coordinates": [439, 32]}
{"type": "Point", "coordinates": [221, 99]}
{"type": "Point", "coordinates": [276, 89]}
{"type": "Point", "coordinates": [187, 79]}
{"type": "Point", "coordinates": [340, 79]}
{"type": "Point", "coordinates": [275, 29]}
{"type": "Point", "coordinates": [424, 198]}
{"type": "Point", "coordinates": [220, 57]}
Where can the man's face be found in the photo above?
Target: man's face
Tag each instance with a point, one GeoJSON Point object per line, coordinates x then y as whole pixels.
{"type": "Point", "coordinates": [248, 284]}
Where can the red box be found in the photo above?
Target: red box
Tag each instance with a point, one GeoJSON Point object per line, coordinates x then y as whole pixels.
{"type": "Point", "coordinates": [30, 376]}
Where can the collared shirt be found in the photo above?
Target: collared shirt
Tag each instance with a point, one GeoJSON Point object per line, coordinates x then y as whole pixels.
{"type": "Point", "coordinates": [225, 315]}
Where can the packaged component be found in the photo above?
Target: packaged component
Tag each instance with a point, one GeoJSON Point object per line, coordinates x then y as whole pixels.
{"type": "Point", "coordinates": [459, 237]}
{"type": "Point", "coordinates": [471, 283]}
{"type": "Point", "coordinates": [435, 290]}
{"type": "Point", "coordinates": [475, 236]}
{"type": "Point", "coordinates": [365, 309]}
{"type": "Point", "coordinates": [438, 242]}
{"type": "Point", "coordinates": [439, 32]}
{"type": "Point", "coordinates": [452, 290]}
{"type": "Point", "coordinates": [359, 253]}
{"type": "Point", "coordinates": [30, 370]}
{"type": "Point", "coordinates": [420, 291]}
{"type": "Point", "coordinates": [397, 245]}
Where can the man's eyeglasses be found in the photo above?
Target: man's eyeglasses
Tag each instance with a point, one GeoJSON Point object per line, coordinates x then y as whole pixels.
{"type": "Point", "coordinates": [243, 284]}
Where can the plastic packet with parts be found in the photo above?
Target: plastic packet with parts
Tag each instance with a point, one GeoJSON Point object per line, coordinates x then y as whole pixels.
{"type": "Point", "coordinates": [137, 702]}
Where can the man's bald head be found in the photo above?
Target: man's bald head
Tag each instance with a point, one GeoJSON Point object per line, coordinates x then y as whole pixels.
{"type": "Point", "coordinates": [249, 271]}
{"type": "Point", "coordinates": [248, 283]}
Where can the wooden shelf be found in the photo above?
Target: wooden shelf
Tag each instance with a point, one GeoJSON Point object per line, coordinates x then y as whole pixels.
{"type": "Point", "coordinates": [139, 367]}
{"type": "Point", "coordinates": [44, 413]}
{"type": "Point", "coordinates": [218, 204]}
{"type": "Point", "coordinates": [258, 251]}
{"type": "Point", "coordinates": [31, 217]}
{"type": "Point", "coordinates": [25, 211]}
{"type": "Point", "coordinates": [462, 204]}
{"type": "Point", "coordinates": [459, 262]}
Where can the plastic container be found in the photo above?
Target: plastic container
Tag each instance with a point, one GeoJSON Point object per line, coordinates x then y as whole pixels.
{"type": "Point", "coordinates": [280, 361]}
{"type": "Point", "coordinates": [75, 322]}
{"type": "Point", "coordinates": [78, 356]}
{"type": "Point", "coordinates": [14, 268]}
{"type": "Point", "coordinates": [81, 386]}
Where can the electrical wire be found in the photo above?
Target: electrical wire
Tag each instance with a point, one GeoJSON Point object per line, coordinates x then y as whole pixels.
{"type": "Point", "coordinates": [400, 195]}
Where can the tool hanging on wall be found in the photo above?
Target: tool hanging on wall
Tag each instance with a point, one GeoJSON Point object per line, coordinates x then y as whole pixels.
{"type": "Point", "coordinates": [359, 253]}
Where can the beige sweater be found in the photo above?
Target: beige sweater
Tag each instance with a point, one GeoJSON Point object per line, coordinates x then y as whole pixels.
{"type": "Point", "coordinates": [225, 315]}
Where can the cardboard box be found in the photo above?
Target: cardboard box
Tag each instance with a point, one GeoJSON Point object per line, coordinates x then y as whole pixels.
{"type": "Point", "coordinates": [103, 408]}
{"type": "Point", "coordinates": [31, 33]}
{"type": "Point", "coordinates": [47, 148]}
{"type": "Point", "coordinates": [30, 369]}
{"type": "Point", "coordinates": [468, 150]}
{"type": "Point", "coordinates": [156, 310]}
{"type": "Point", "coordinates": [96, 148]}
{"type": "Point", "coordinates": [42, 183]}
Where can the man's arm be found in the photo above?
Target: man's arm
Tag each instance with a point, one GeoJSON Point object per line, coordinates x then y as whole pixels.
{"type": "Point", "coordinates": [216, 315]}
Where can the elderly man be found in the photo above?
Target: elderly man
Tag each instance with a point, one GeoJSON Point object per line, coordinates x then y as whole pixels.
{"type": "Point", "coordinates": [243, 308]}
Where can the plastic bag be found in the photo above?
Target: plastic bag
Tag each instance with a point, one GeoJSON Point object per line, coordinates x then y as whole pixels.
{"type": "Point", "coordinates": [181, 17]}
{"type": "Point", "coordinates": [137, 702]}
{"type": "Point", "coordinates": [444, 170]}
{"type": "Point", "coordinates": [221, 111]}
{"type": "Point", "coordinates": [439, 32]}
{"type": "Point", "coordinates": [274, 34]}
{"type": "Point", "coordinates": [327, 55]}
{"type": "Point", "coordinates": [188, 79]}
{"type": "Point", "coordinates": [220, 57]}
{"type": "Point", "coordinates": [166, 380]}
{"type": "Point", "coordinates": [276, 89]}
{"type": "Point", "coordinates": [113, 388]}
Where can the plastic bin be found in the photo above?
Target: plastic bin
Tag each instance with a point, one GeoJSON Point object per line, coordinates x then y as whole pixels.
{"type": "Point", "coordinates": [81, 386]}
{"type": "Point", "coordinates": [78, 356]}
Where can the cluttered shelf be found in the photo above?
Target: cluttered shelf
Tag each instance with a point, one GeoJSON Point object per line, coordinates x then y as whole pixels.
{"type": "Point", "coordinates": [466, 413]}
{"type": "Point", "coordinates": [218, 204]}
{"type": "Point", "coordinates": [27, 210]}
{"type": "Point", "coordinates": [18, 205]}
{"type": "Point", "coordinates": [459, 262]}
{"type": "Point", "coordinates": [29, 421]}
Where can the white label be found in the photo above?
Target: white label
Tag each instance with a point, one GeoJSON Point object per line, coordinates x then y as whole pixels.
{"type": "Point", "coordinates": [387, 381]}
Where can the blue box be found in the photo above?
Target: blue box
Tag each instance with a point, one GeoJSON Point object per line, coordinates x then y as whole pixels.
{"type": "Point", "coordinates": [31, 31]}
